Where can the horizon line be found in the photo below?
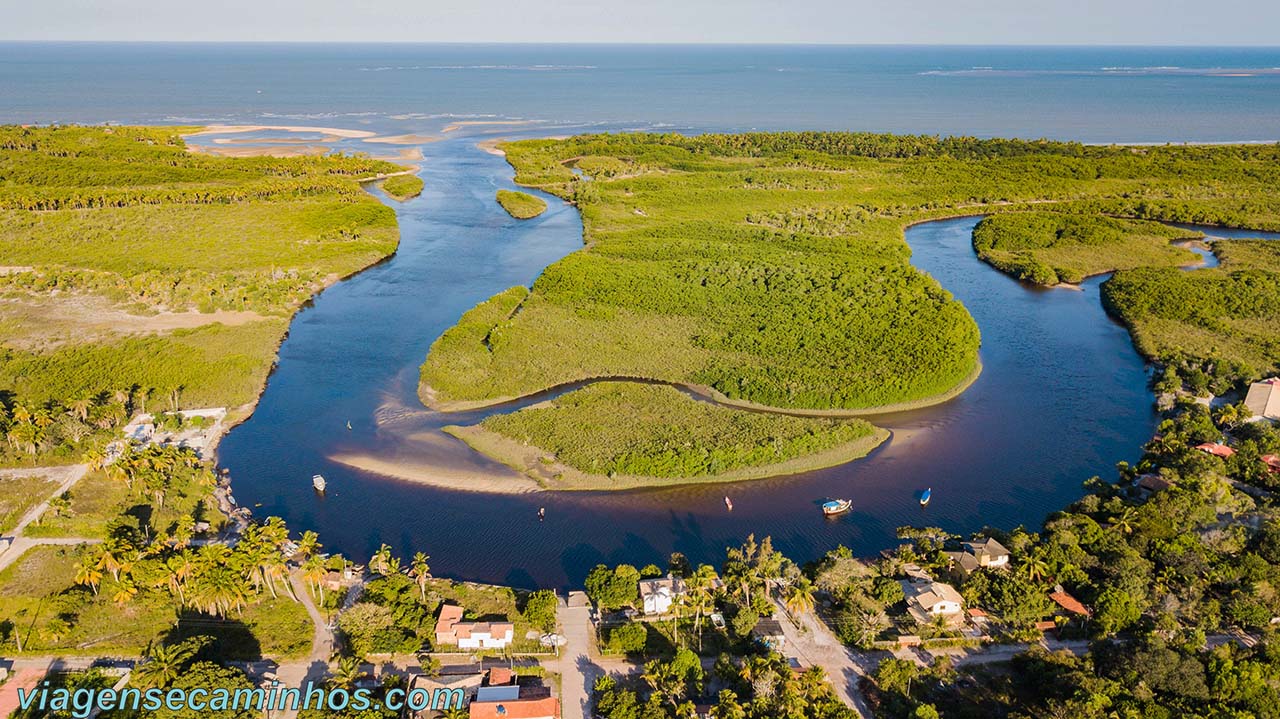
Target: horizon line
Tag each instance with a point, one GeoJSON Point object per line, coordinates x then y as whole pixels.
{"type": "Point", "coordinates": [607, 43]}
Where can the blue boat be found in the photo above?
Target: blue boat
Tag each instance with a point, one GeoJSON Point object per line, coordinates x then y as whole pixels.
{"type": "Point", "coordinates": [926, 496]}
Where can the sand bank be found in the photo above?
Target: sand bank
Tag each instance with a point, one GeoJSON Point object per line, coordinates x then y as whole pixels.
{"type": "Point", "coordinates": [273, 140]}
{"type": "Point", "coordinates": [230, 129]}
{"type": "Point", "coordinates": [491, 146]}
{"type": "Point", "coordinates": [419, 472]}
{"type": "Point", "coordinates": [261, 150]}
{"type": "Point", "coordinates": [403, 139]}
{"type": "Point", "coordinates": [550, 473]}
{"type": "Point", "coordinates": [453, 127]}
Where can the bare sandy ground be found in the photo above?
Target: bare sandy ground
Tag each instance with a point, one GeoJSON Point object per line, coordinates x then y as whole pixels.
{"type": "Point", "coordinates": [454, 127]}
{"type": "Point", "coordinates": [45, 322]}
{"type": "Point", "coordinates": [230, 129]}
{"type": "Point", "coordinates": [262, 150]}
{"type": "Point", "coordinates": [491, 146]}
{"type": "Point", "coordinates": [455, 478]}
{"type": "Point", "coordinates": [403, 139]}
{"type": "Point", "coordinates": [272, 140]}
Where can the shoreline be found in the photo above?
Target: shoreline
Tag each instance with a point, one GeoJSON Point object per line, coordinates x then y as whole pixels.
{"type": "Point", "coordinates": [558, 477]}
{"type": "Point", "coordinates": [705, 393]}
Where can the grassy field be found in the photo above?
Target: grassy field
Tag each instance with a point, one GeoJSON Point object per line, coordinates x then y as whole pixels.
{"type": "Point", "coordinates": [521, 205]}
{"type": "Point", "coordinates": [18, 495]}
{"type": "Point", "coordinates": [1052, 247]}
{"type": "Point", "coordinates": [96, 500]}
{"type": "Point", "coordinates": [117, 246]}
{"type": "Point", "coordinates": [614, 435]}
{"type": "Point", "coordinates": [403, 187]}
{"type": "Point", "coordinates": [1226, 314]}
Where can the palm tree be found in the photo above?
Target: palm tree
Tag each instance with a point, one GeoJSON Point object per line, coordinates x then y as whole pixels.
{"type": "Point", "coordinates": [108, 561]}
{"type": "Point", "coordinates": [347, 673]}
{"type": "Point", "coordinates": [799, 600]}
{"type": "Point", "coordinates": [309, 544]}
{"type": "Point", "coordinates": [699, 595]}
{"type": "Point", "coordinates": [380, 562]}
{"type": "Point", "coordinates": [1034, 567]}
{"type": "Point", "coordinates": [421, 573]}
{"type": "Point", "coordinates": [1124, 521]}
{"type": "Point", "coordinates": [80, 407]}
{"type": "Point", "coordinates": [163, 665]}
{"type": "Point", "coordinates": [313, 571]}
{"type": "Point", "coordinates": [125, 591]}
{"type": "Point", "coordinates": [88, 575]}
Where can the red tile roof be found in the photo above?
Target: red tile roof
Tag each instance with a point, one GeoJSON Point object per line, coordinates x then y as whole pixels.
{"type": "Point", "coordinates": [1272, 461]}
{"type": "Point", "coordinates": [517, 709]}
{"type": "Point", "coordinates": [1069, 603]}
{"type": "Point", "coordinates": [1218, 450]}
{"type": "Point", "coordinates": [500, 675]}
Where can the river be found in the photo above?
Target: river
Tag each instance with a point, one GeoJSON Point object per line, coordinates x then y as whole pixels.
{"type": "Point", "coordinates": [1063, 396]}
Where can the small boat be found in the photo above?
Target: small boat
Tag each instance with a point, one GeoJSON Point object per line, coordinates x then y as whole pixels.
{"type": "Point", "coordinates": [348, 425]}
{"type": "Point", "coordinates": [542, 513]}
{"type": "Point", "coordinates": [728, 504]}
{"type": "Point", "coordinates": [318, 482]}
{"type": "Point", "coordinates": [926, 496]}
{"type": "Point", "coordinates": [837, 506]}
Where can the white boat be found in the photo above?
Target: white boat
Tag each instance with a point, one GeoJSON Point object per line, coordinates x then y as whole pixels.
{"type": "Point", "coordinates": [837, 506]}
{"type": "Point", "coordinates": [318, 482]}
{"type": "Point", "coordinates": [728, 503]}
{"type": "Point", "coordinates": [924, 498]}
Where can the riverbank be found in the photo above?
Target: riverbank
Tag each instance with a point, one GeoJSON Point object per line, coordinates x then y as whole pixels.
{"type": "Point", "coordinates": [532, 462]}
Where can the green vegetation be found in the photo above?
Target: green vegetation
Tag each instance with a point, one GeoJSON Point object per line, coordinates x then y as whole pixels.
{"type": "Point", "coordinates": [1224, 317]}
{"type": "Point", "coordinates": [402, 187]}
{"type": "Point", "coordinates": [521, 205]}
{"type": "Point", "coordinates": [18, 495]}
{"type": "Point", "coordinates": [769, 269]}
{"type": "Point", "coordinates": [101, 221]}
{"type": "Point", "coordinates": [1052, 247]}
{"type": "Point", "coordinates": [615, 434]}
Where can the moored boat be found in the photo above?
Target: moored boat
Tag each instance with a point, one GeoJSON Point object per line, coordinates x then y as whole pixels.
{"type": "Point", "coordinates": [926, 496]}
{"type": "Point", "coordinates": [837, 506]}
{"type": "Point", "coordinates": [728, 503]}
{"type": "Point", "coordinates": [318, 482]}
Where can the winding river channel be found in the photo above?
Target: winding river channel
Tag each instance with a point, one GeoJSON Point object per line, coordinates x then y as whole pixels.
{"type": "Point", "coordinates": [1063, 396]}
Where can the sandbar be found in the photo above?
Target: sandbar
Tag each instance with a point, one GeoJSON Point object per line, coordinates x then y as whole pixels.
{"type": "Point", "coordinates": [229, 129]}
{"type": "Point", "coordinates": [403, 139]}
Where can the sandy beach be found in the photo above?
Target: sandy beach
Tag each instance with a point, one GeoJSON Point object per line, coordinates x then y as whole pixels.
{"type": "Point", "coordinates": [491, 146]}
{"type": "Point", "coordinates": [455, 126]}
{"type": "Point", "coordinates": [232, 129]}
{"type": "Point", "coordinates": [403, 139]}
{"type": "Point", "coordinates": [463, 480]}
{"type": "Point", "coordinates": [261, 150]}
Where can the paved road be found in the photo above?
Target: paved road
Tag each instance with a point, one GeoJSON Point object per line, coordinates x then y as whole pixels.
{"type": "Point", "coordinates": [578, 671]}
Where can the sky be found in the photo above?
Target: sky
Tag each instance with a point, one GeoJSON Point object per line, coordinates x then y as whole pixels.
{"type": "Point", "coordinates": [984, 22]}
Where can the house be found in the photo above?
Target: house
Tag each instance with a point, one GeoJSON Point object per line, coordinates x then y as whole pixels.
{"type": "Point", "coordinates": [915, 574]}
{"type": "Point", "coordinates": [453, 687]}
{"type": "Point", "coordinates": [768, 631]}
{"type": "Point", "coordinates": [928, 602]}
{"type": "Point", "coordinates": [500, 676]}
{"type": "Point", "coordinates": [531, 708]}
{"type": "Point", "coordinates": [1068, 603]}
{"type": "Point", "coordinates": [1152, 483]}
{"type": "Point", "coordinates": [1263, 400]}
{"type": "Point", "coordinates": [451, 630]}
{"type": "Point", "coordinates": [657, 595]}
{"type": "Point", "coordinates": [1217, 449]}
{"type": "Point", "coordinates": [1272, 461]}
{"type": "Point", "coordinates": [987, 554]}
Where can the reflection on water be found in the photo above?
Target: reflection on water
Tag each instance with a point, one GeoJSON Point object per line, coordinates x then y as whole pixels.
{"type": "Point", "coordinates": [1062, 397]}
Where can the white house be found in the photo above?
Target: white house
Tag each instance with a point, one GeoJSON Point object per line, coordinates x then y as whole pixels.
{"type": "Point", "coordinates": [1263, 399]}
{"type": "Point", "coordinates": [927, 602]}
{"type": "Point", "coordinates": [450, 629]}
{"type": "Point", "coordinates": [657, 595]}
